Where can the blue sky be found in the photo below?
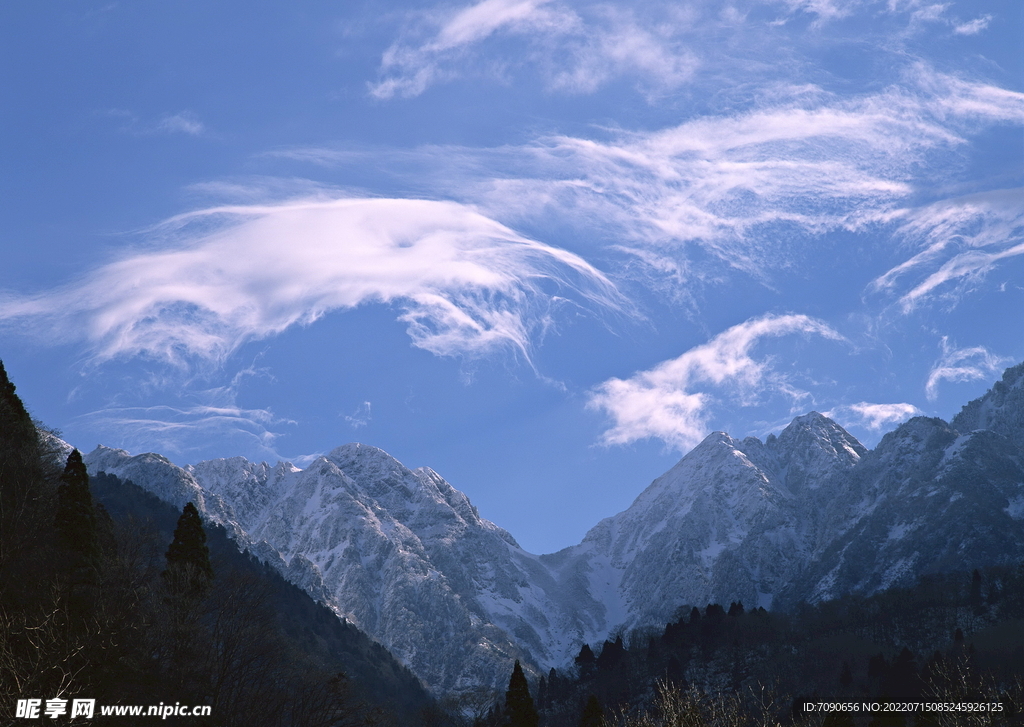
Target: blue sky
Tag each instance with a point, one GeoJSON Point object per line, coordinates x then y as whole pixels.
{"type": "Point", "coordinates": [542, 247]}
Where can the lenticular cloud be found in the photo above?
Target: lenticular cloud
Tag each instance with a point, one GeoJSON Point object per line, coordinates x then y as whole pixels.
{"type": "Point", "coordinates": [466, 284]}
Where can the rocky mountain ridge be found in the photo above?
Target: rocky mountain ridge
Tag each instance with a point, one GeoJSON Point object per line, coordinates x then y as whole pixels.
{"type": "Point", "coordinates": [807, 515]}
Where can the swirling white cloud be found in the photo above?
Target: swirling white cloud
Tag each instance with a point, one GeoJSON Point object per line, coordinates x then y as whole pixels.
{"type": "Point", "coordinates": [215, 279]}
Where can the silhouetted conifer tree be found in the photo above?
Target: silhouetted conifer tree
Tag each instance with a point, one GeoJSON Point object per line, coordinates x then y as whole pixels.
{"type": "Point", "coordinates": [18, 438]}
{"type": "Point", "coordinates": [878, 667]}
{"type": "Point", "coordinates": [21, 477]}
{"type": "Point", "coordinates": [75, 519]}
{"type": "Point", "coordinates": [903, 682]}
{"type": "Point", "coordinates": [586, 662]}
{"type": "Point", "coordinates": [188, 557]}
{"type": "Point", "coordinates": [694, 615]}
{"type": "Point", "coordinates": [519, 709]}
{"type": "Point", "coordinates": [714, 613]}
{"type": "Point", "coordinates": [611, 654]}
{"type": "Point", "coordinates": [846, 676]}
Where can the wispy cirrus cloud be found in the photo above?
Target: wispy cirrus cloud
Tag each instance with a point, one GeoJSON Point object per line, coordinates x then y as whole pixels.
{"type": "Point", "coordinates": [217, 278]}
{"type": "Point", "coordinates": [408, 69]}
{"type": "Point", "coordinates": [873, 417]}
{"type": "Point", "coordinates": [178, 430]}
{"type": "Point", "coordinates": [671, 401]}
{"type": "Point", "coordinates": [961, 364]}
{"type": "Point", "coordinates": [742, 187]}
{"type": "Point", "coordinates": [972, 27]}
{"type": "Point", "coordinates": [182, 122]}
{"type": "Point", "coordinates": [959, 241]}
{"type": "Point", "coordinates": [748, 188]}
{"type": "Point", "coordinates": [360, 417]}
{"type": "Point", "coordinates": [576, 48]}
{"type": "Point", "coordinates": [659, 46]}
{"type": "Point", "coordinates": [188, 425]}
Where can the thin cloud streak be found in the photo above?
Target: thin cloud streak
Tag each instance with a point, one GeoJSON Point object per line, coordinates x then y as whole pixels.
{"type": "Point", "coordinates": [188, 426]}
{"type": "Point", "coordinates": [184, 122]}
{"type": "Point", "coordinates": [578, 49]}
{"type": "Point", "coordinates": [873, 417]}
{"type": "Point", "coordinates": [180, 430]}
{"type": "Point", "coordinates": [361, 416]}
{"type": "Point", "coordinates": [748, 188]}
{"type": "Point", "coordinates": [962, 364]}
{"type": "Point", "coordinates": [973, 27]}
{"type": "Point", "coordinates": [961, 240]}
{"type": "Point", "coordinates": [670, 401]}
{"type": "Point", "coordinates": [220, 277]}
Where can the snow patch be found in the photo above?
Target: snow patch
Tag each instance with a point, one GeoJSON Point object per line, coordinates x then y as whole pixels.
{"type": "Point", "coordinates": [899, 531]}
{"type": "Point", "coordinates": [1015, 508]}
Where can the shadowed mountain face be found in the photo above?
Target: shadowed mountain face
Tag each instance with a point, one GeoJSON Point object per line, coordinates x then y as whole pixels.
{"type": "Point", "coordinates": [808, 515]}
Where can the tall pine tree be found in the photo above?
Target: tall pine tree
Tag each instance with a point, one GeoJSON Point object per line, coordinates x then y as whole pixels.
{"type": "Point", "coordinates": [188, 557]}
{"type": "Point", "coordinates": [23, 491]}
{"type": "Point", "coordinates": [519, 709]}
{"type": "Point", "coordinates": [586, 662]}
{"type": "Point", "coordinates": [19, 442]}
{"type": "Point", "coordinates": [75, 518]}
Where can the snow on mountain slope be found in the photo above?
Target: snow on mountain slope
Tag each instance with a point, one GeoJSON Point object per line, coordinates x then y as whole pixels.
{"type": "Point", "coordinates": [407, 558]}
{"type": "Point", "coordinates": [165, 480]}
{"type": "Point", "coordinates": [927, 499]}
{"type": "Point", "coordinates": [729, 522]}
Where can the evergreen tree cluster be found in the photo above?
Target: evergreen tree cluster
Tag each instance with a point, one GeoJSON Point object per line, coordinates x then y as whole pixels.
{"type": "Point", "coordinates": [952, 635]}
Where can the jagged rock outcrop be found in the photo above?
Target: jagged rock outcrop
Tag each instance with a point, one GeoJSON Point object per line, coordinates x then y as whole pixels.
{"type": "Point", "coordinates": [1000, 410]}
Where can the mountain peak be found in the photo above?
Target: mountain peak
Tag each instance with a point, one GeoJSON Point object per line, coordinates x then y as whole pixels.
{"type": "Point", "coordinates": [365, 457]}
{"type": "Point", "coordinates": [819, 424]}
{"type": "Point", "coordinates": [807, 453]}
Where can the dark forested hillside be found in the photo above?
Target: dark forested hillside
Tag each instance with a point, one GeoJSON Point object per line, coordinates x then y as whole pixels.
{"type": "Point", "coordinates": [92, 606]}
{"type": "Point", "coordinates": [955, 637]}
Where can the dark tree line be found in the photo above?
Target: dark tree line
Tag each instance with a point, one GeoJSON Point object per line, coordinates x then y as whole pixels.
{"type": "Point", "coordinates": [958, 635]}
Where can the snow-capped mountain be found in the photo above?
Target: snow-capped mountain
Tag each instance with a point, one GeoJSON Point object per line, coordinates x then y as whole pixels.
{"type": "Point", "coordinates": [807, 515]}
{"type": "Point", "coordinates": [733, 520]}
{"type": "Point", "coordinates": [930, 497]}
{"type": "Point", "coordinates": [399, 552]}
